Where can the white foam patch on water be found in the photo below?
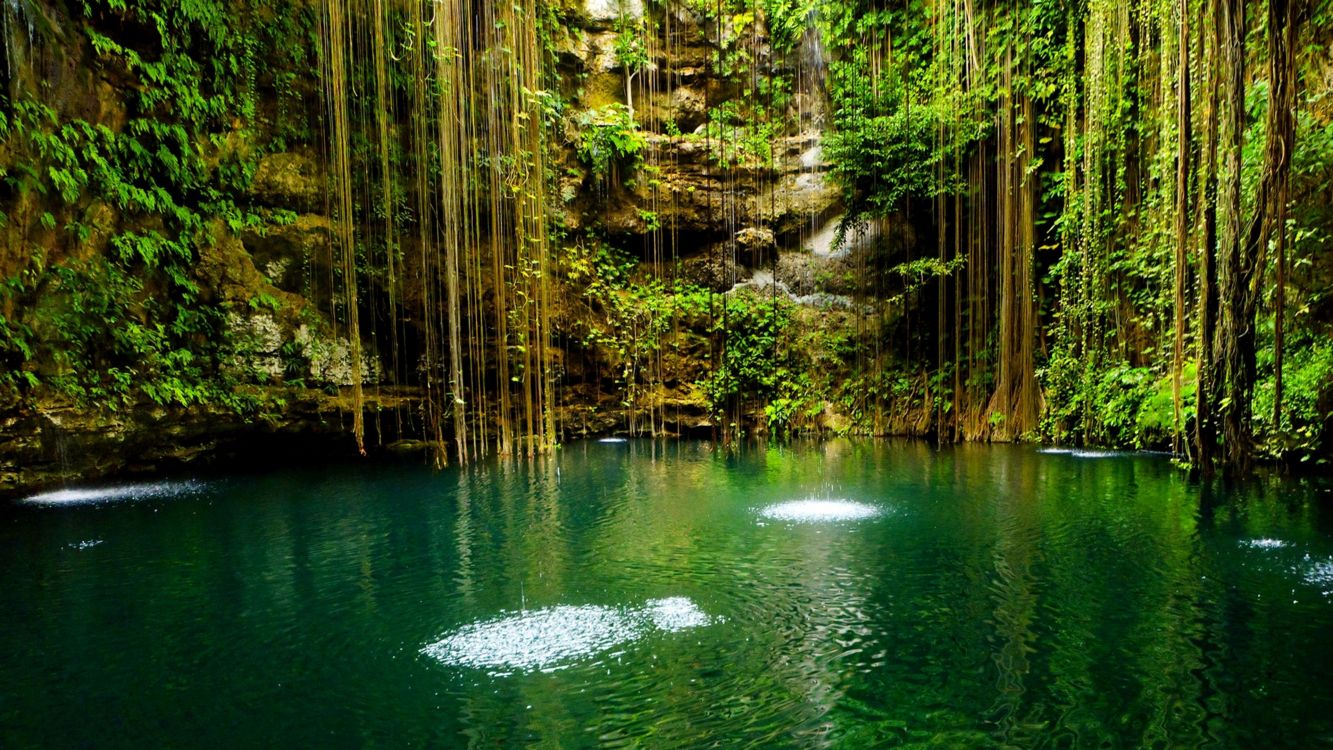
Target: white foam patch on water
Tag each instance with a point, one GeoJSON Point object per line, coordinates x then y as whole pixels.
{"type": "Point", "coordinates": [85, 544]}
{"type": "Point", "coordinates": [553, 638]}
{"type": "Point", "coordinates": [1095, 454]}
{"type": "Point", "coordinates": [612, 440]}
{"type": "Point", "coordinates": [814, 510]}
{"type": "Point", "coordinates": [1264, 543]}
{"type": "Point", "coordinates": [95, 495]}
{"type": "Point", "coordinates": [1056, 451]}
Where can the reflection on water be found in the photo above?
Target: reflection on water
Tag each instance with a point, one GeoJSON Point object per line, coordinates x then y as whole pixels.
{"type": "Point", "coordinates": [624, 595]}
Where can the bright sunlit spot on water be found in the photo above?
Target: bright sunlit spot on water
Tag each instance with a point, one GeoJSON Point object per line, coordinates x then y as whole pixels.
{"type": "Point", "coordinates": [118, 493]}
{"type": "Point", "coordinates": [1265, 543]}
{"type": "Point", "coordinates": [812, 510]}
{"type": "Point", "coordinates": [1319, 574]}
{"type": "Point", "coordinates": [556, 637]}
{"type": "Point", "coordinates": [1082, 452]}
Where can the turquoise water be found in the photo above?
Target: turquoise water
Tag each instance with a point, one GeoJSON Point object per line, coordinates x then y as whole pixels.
{"type": "Point", "coordinates": [651, 595]}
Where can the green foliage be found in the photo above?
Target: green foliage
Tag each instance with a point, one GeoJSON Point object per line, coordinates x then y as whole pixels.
{"type": "Point", "coordinates": [795, 407]}
{"type": "Point", "coordinates": [882, 160]}
{"type": "Point", "coordinates": [609, 137]}
{"type": "Point", "coordinates": [634, 317]}
{"type": "Point", "coordinates": [107, 365]}
{"type": "Point", "coordinates": [195, 68]}
{"type": "Point", "coordinates": [16, 350]}
{"type": "Point", "coordinates": [631, 53]}
{"type": "Point", "coordinates": [900, 120]}
{"type": "Point", "coordinates": [1124, 406]}
{"type": "Point", "coordinates": [743, 133]}
{"type": "Point", "coordinates": [1133, 407]}
{"type": "Point", "coordinates": [1307, 420]}
{"type": "Point", "coordinates": [787, 21]}
{"type": "Point", "coordinates": [753, 364]}
{"type": "Point", "coordinates": [121, 315]}
{"type": "Point", "coordinates": [130, 320]}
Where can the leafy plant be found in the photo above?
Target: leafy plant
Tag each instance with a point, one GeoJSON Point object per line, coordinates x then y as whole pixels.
{"type": "Point", "coordinates": [609, 137]}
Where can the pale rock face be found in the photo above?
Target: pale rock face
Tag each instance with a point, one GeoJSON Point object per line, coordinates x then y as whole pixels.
{"type": "Point", "coordinates": [823, 242]}
{"type": "Point", "coordinates": [753, 239]}
{"type": "Point", "coordinates": [331, 360]}
{"type": "Point", "coordinates": [813, 157]}
{"type": "Point", "coordinates": [609, 11]}
{"type": "Point", "coordinates": [261, 338]}
{"type": "Point", "coordinates": [602, 53]}
{"type": "Point", "coordinates": [687, 108]}
{"type": "Point", "coordinates": [277, 268]}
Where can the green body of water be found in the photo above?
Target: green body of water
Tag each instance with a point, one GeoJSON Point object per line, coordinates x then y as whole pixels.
{"type": "Point", "coordinates": [643, 594]}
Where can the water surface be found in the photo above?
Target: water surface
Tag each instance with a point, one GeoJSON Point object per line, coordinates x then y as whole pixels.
{"type": "Point", "coordinates": [834, 594]}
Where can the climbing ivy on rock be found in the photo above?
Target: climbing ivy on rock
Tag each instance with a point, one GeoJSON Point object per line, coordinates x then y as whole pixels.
{"type": "Point", "coordinates": [108, 216]}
